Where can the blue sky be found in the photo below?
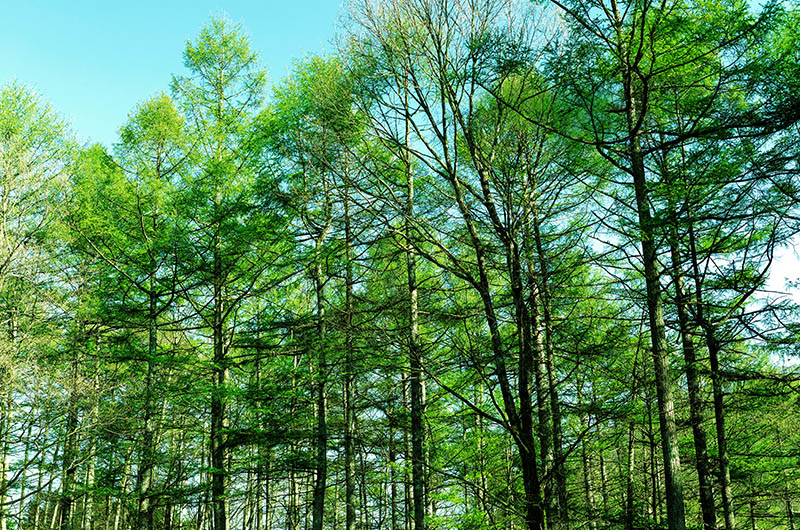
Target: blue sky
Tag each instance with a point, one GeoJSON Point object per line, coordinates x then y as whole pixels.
{"type": "Point", "coordinates": [95, 60]}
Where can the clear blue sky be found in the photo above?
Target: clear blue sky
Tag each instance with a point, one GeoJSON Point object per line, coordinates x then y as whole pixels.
{"type": "Point", "coordinates": [95, 60]}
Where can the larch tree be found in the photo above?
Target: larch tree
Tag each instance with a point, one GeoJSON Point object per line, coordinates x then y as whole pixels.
{"type": "Point", "coordinates": [35, 155]}
{"type": "Point", "coordinates": [124, 216]}
{"type": "Point", "coordinates": [221, 97]}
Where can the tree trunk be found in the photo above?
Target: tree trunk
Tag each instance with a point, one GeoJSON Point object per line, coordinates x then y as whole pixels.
{"type": "Point", "coordinates": [544, 426]}
{"type": "Point", "coordinates": [55, 517]}
{"type": "Point", "coordinates": [673, 478]}
{"type": "Point", "coordinates": [693, 385]}
{"type": "Point", "coordinates": [321, 442]}
{"type": "Point", "coordinates": [603, 481]}
{"type": "Point", "coordinates": [144, 513]}
{"type": "Point", "coordinates": [69, 464]}
{"type": "Point", "coordinates": [408, 493]}
{"type": "Point", "coordinates": [415, 380]}
{"type": "Point", "coordinates": [559, 474]}
{"type": "Point", "coordinates": [631, 467]}
{"type": "Point", "coordinates": [526, 365]}
{"type": "Point", "coordinates": [219, 453]}
{"type": "Point", "coordinates": [126, 466]}
{"type": "Point", "coordinates": [415, 361]}
{"type": "Point", "coordinates": [716, 385]}
{"type": "Point", "coordinates": [89, 495]}
{"type": "Point", "coordinates": [588, 485]}
{"type": "Point", "coordinates": [37, 499]}
{"type": "Point", "coordinates": [292, 515]}
{"type": "Point", "coordinates": [349, 374]}
{"type": "Point", "coordinates": [520, 421]}
{"type": "Point", "coordinates": [47, 496]}
{"type": "Point", "coordinates": [393, 482]}
{"type": "Point", "coordinates": [5, 429]}
{"type": "Point", "coordinates": [24, 477]}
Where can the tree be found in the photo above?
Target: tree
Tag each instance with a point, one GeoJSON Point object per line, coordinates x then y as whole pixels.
{"type": "Point", "coordinates": [35, 152]}
{"type": "Point", "coordinates": [123, 216]}
{"type": "Point", "coordinates": [221, 98]}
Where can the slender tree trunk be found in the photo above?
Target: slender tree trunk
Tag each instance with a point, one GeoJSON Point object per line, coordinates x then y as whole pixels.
{"type": "Point", "coordinates": [630, 454]}
{"type": "Point", "coordinates": [395, 525]}
{"type": "Point", "coordinates": [415, 378]}
{"type": "Point", "coordinates": [603, 480]}
{"type": "Point", "coordinates": [106, 512]}
{"type": "Point", "coordinates": [219, 453]}
{"type": "Point", "coordinates": [630, 450]}
{"type": "Point", "coordinates": [559, 473]}
{"type": "Point", "coordinates": [588, 485]}
{"type": "Point", "coordinates": [521, 421]}
{"type": "Point", "coordinates": [268, 510]}
{"type": "Point", "coordinates": [430, 505]}
{"type": "Point", "coordinates": [247, 511]}
{"type": "Point", "coordinates": [544, 427]}
{"type": "Point", "coordinates": [5, 430]}
{"type": "Point", "coordinates": [408, 494]}
{"type": "Point", "coordinates": [144, 514]}
{"type": "Point", "coordinates": [716, 385]}
{"type": "Point", "coordinates": [527, 362]}
{"type": "Point", "coordinates": [69, 464]}
{"type": "Point", "coordinates": [202, 499]}
{"type": "Point", "coordinates": [55, 518]}
{"type": "Point", "coordinates": [47, 497]}
{"type": "Point", "coordinates": [349, 373]}
{"type": "Point", "coordinates": [321, 442]}
{"type": "Point", "coordinates": [414, 354]}
{"type": "Point", "coordinates": [37, 499]}
{"type": "Point", "coordinates": [24, 477]}
{"type": "Point", "coordinates": [673, 477]}
{"type": "Point", "coordinates": [123, 489]}
{"type": "Point", "coordinates": [292, 515]}
{"type": "Point", "coordinates": [693, 384]}
{"type": "Point", "coordinates": [259, 478]}
{"type": "Point", "coordinates": [365, 506]}
{"type": "Point", "coordinates": [169, 498]}
{"type": "Point", "coordinates": [89, 495]}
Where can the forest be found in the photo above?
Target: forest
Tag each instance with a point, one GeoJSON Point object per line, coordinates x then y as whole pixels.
{"type": "Point", "coordinates": [488, 264]}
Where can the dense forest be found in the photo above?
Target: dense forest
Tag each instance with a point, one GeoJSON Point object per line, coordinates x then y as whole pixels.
{"type": "Point", "coordinates": [489, 264]}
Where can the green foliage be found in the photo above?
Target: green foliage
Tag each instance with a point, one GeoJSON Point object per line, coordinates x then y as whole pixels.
{"type": "Point", "coordinates": [180, 312]}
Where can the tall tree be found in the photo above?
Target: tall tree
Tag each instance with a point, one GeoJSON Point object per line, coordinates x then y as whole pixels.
{"type": "Point", "coordinates": [35, 154]}
{"type": "Point", "coordinates": [221, 97]}
{"type": "Point", "coordinates": [124, 216]}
